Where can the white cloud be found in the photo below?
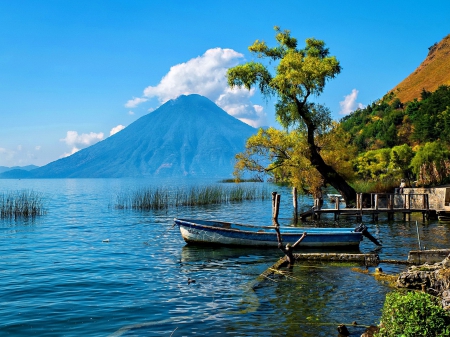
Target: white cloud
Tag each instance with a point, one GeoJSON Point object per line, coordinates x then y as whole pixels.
{"type": "Point", "coordinates": [206, 75]}
{"type": "Point", "coordinates": [74, 150]}
{"type": "Point", "coordinates": [349, 103]}
{"type": "Point", "coordinates": [116, 129]}
{"type": "Point", "coordinates": [237, 103]}
{"type": "Point", "coordinates": [37, 147]}
{"type": "Point", "coordinates": [77, 142]}
{"type": "Point", "coordinates": [132, 103]}
{"type": "Point", "coordinates": [131, 113]}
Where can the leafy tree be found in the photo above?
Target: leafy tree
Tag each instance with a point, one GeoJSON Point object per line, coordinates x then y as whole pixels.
{"type": "Point", "coordinates": [299, 74]}
{"type": "Point", "coordinates": [399, 163]}
{"type": "Point", "coordinates": [282, 155]}
{"type": "Point", "coordinates": [431, 163]}
{"type": "Point", "coordinates": [373, 164]}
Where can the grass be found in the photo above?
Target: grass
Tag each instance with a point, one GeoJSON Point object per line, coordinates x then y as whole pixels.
{"type": "Point", "coordinates": [378, 186]}
{"type": "Point", "coordinates": [21, 204]}
{"type": "Point", "coordinates": [164, 198]}
{"type": "Point", "coordinates": [236, 180]}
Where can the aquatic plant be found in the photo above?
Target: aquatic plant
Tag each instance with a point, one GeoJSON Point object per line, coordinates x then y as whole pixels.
{"type": "Point", "coordinates": [242, 180]}
{"type": "Point", "coordinates": [21, 204]}
{"type": "Point", "coordinates": [160, 198]}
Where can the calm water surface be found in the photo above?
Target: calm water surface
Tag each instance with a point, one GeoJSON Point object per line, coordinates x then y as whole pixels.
{"type": "Point", "coordinates": [59, 277]}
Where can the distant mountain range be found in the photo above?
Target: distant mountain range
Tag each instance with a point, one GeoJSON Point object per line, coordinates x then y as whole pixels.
{"type": "Point", "coordinates": [431, 73]}
{"type": "Point", "coordinates": [25, 168]}
{"type": "Point", "coordinates": [188, 136]}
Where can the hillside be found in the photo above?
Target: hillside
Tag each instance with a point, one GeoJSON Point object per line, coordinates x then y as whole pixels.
{"type": "Point", "coordinates": [432, 72]}
{"type": "Point", "coordinates": [416, 111]}
{"type": "Point", "coordinates": [188, 136]}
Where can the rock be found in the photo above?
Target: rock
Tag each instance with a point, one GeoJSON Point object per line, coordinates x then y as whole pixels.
{"type": "Point", "coordinates": [432, 279]}
{"type": "Point", "coordinates": [343, 331]}
{"type": "Point", "coordinates": [370, 331]}
{"type": "Point", "coordinates": [446, 300]}
{"type": "Point", "coordinates": [446, 262]}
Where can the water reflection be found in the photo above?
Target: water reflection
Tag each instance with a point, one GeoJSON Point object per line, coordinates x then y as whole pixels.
{"type": "Point", "coordinates": [64, 280]}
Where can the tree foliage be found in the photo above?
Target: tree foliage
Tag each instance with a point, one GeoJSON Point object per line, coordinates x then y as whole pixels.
{"type": "Point", "coordinates": [431, 163]}
{"type": "Point", "coordinates": [298, 75]}
{"type": "Point", "coordinates": [283, 156]}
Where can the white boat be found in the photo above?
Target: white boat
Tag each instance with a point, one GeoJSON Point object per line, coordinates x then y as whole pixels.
{"type": "Point", "coordinates": [333, 197]}
{"type": "Point", "coordinates": [233, 234]}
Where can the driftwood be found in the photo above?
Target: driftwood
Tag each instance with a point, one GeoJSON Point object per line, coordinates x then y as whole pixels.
{"type": "Point", "coordinates": [288, 249]}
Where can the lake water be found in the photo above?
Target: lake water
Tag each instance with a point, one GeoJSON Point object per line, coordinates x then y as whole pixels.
{"type": "Point", "coordinates": [59, 277]}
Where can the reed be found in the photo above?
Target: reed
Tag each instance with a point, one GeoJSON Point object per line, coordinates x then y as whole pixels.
{"type": "Point", "coordinates": [21, 204]}
{"type": "Point", "coordinates": [160, 198]}
{"type": "Point", "coordinates": [241, 180]}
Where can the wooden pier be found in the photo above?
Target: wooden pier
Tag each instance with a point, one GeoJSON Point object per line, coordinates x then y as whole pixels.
{"type": "Point", "coordinates": [375, 204]}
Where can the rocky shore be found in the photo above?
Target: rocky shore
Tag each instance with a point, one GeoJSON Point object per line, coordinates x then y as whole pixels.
{"type": "Point", "coordinates": [433, 279]}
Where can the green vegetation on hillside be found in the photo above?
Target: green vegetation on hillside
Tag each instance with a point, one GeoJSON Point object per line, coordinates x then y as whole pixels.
{"type": "Point", "coordinates": [384, 125]}
{"type": "Point", "coordinates": [397, 140]}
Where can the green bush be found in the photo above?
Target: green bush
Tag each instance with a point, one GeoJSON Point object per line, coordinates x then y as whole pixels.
{"type": "Point", "coordinates": [413, 314]}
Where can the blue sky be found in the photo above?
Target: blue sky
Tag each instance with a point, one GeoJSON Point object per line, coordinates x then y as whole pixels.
{"type": "Point", "coordinates": [73, 72]}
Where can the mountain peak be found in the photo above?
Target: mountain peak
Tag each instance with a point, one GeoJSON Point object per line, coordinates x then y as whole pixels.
{"type": "Point", "coordinates": [186, 136]}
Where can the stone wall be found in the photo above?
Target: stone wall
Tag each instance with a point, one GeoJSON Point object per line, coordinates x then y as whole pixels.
{"type": "Point", "coordinates": [436, 197]}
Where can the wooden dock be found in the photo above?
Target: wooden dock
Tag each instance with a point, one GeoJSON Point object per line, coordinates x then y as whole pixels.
{"type": "Point", "coordinates": [375, 204]}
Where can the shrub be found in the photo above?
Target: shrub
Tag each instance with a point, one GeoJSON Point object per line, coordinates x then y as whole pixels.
{"type": "Point", "coordinates": [413, 314]}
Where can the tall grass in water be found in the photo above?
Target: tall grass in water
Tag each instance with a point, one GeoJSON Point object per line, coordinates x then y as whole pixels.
{"type": "Point", "coordinates": [148, 199]}
{"type": "Point", "coordinates": [21, 204]}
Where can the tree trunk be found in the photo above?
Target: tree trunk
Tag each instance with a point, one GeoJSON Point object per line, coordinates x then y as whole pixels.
{"type": "Point", "coordinates": [332, 177]}
{"type": "Point", "coordinates": [328, 173]}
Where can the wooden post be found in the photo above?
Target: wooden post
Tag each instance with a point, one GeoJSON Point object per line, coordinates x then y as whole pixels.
{"type": "Point", "coordinates": [359, 206]}
{"type": "Point", "coordinates": [294, 201]}
{"type": "Point", "coordinates": [426, 204]}
{"type": "Point", "coordinates": [390, 206]}
{"type": "Point", "coordinates": [274, 202]}
{"type": "Point", "coordinates": [276, 206]}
